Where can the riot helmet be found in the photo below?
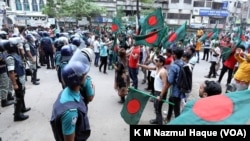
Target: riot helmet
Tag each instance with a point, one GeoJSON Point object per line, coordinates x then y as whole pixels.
{"type": "Point", "coordinates": [73, 74]}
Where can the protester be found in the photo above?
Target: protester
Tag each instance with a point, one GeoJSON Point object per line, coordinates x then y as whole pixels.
{"type": "Point", "coordinates": [241, 79]}
{"type": "Point", "coordinates": [133, 61]}
{"type": "Point", "coordinates": [160, 86]}
{"type": "Point", "coordinates": [175, 95]}
{"type": "Point", "coordinates": [121, 75]}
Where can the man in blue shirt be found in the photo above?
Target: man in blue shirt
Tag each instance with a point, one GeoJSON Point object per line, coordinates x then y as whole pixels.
{"type": "Point", "coordinates": [173, 73]}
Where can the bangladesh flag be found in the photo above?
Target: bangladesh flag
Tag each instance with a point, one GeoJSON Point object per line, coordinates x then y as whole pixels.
{"type": "Point", "coordinates": [152, 39]}
{"type": "Point", "coordinates": [152, 21]}
{"type": "Point", "coordinates": [178, 35]}
{"type": "Point", "coordinates": [230, 108]}
{"type": "Point", "coordinates": [226, 52]}
{"type": "Point", "coordinates": [215, 35]}
{"type": "Point", "coordinates": [116, 25]}
{"type": "Point", "coordinates": [133, 106]}
{"type": "Point", "coordinates": [240, 39]}
{"type": "Point", "coordinates": [204, 37]}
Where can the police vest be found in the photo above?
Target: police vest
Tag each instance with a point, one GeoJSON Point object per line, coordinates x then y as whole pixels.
{"type": "Point", "coordinates": [3, 67]}
{"type": "Point", "coordinates": [82, 131]}
{"type": "Point", "coordinates": [19, 67]}
{"type": "Point", "coordinates": [33, 49]}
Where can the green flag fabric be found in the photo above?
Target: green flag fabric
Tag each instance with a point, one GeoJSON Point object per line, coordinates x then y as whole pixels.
{"type": "Point", "coordinates": [215, 35]}
{"type": "Point", "coordinates": [152, 21]}
{"type": "Point", "coordinates": [133, 106]}
{"type": "Point", "coordinates": [226, 52]}
{"type": "Point", "coordinates": [152, 39]}
{"type": "Point", "coordinates": [116, 25]}
{"type": "Point", "coordinates": [178, 35]}
{"type": "Point", "coordinates": [240, 39]}
{"type": "Point", "coordinates": [203, 37]}
{"type": "Point", "coordinates": [231, 108]}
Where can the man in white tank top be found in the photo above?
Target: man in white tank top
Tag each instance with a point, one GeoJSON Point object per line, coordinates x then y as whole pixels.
{"type": "Point", "coordinates": [160, 85]}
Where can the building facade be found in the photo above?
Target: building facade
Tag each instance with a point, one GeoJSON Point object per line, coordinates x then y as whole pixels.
{"type": "Point", "coordinates": [23, 12]}
{"type": "Point", "coordinates": [198, 13]}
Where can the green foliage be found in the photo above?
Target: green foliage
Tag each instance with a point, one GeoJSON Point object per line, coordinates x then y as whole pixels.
{"type": "Point", "coordinates": [72, 8]}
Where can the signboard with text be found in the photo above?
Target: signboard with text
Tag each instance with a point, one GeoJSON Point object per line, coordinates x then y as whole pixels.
{"type": "Point", "coordinates": [211, 12]}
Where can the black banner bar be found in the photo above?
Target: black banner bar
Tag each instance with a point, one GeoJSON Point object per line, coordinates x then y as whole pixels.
{"type": "Point", "coordinates": [200, 132]}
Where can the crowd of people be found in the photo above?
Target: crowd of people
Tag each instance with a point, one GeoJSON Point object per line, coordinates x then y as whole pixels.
{"type": "Point", "coordinates": [71, 54]}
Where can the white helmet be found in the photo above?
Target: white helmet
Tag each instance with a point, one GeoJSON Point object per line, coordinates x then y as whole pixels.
{"type": "Point", "coordinates": [89, 53]}
{"type": "Point", "coordinates": [81, 57]}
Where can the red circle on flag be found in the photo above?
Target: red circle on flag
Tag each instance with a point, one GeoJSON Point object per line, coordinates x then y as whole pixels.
{"type": "Point", "coordinates": [214, 108]}
{"type": "Point", "coordinates": [114, 27]}
{"type": "Point", "coordinates": [172, 37]}
{"type": "Point", "coordinates": [152, 20]}
{"type": "Point", "coordinates": [152, 38]}
{"type": "Point", "coordinates": [133, 106]}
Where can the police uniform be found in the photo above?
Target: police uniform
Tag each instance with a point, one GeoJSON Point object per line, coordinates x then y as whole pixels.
{"type": "Point", "coordinates": [14, 63]}
{"type": "Point", "coordinates": [69, 116]}
{"type": "Point", "coordinates": [5, 93]}
{"type": "Point", "coordinates": [87, 89]}
{"type": "Point", "coordinates": [31, 47]}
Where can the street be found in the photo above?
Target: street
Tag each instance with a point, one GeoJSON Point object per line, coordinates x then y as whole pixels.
{"type": "Point", "coordinates": [104, 111]}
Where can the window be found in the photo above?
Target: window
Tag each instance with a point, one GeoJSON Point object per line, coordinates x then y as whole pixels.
{"type": "Point", "coordinates": [41, 4]}
{"type": "Point", "coordinates": [217, 5]}
{"type": "Point", "coordinates": [188, 1]}
{"type": "Point", "coordinates": [174, 1]}
{"type": "Point", "coordinates": [26, 5]}
{"type": "Point", "coordinates": [209, 4]}
{"type": "Point", "coordinates": [34, 5]}
{"type": "Point", "coordinates": [199, 3]}
{"type": "Point", "coordinates": [184, 16]}
{"type": "Point", "coordinates": [172, 16]}
{"type": "Point", "coordinates": [18, 5]}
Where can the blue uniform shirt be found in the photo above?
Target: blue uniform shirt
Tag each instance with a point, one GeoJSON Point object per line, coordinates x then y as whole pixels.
{"type": "Point", "coordinates": [69, 117]}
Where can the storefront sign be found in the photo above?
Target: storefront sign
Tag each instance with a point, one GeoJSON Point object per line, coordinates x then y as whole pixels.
{"type": "Point", "coordinates": [210, 12]}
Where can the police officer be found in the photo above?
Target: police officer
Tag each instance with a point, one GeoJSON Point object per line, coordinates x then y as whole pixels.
{"type": "Point", "coordinates": [5, 93]}
{"type": "Point", "coordinates": [47, 47]}
{"type": "Point", "coordinates": [16, 71]}
{"type": "Point", "coordinates": [31, 55]}
{"type": "Point", "coordinates": [66, 54]}
{"type": "Point", "coordinates": [69, 119]}
{"type": "Point", "coordinates": [85, 56]}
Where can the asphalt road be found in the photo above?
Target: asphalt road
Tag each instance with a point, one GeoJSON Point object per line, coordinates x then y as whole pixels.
{"type": "Point", "coordinates": [104, 111]}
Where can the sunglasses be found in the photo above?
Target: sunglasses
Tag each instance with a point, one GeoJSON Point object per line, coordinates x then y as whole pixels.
{"type": "Point", "coordinates": [157, 60]}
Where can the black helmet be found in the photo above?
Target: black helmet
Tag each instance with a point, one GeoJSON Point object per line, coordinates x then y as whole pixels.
{"type": "Point", "coordinates": [3, 35]}
{"type": "Point", "coordinates": [2, 49]}
{"type": "Point", "coordinates": [45, 34]}
{"type": "Point", "coordinates": [73, 74]}
{"type": "Point", "coordinates": [9, 46]}
{"type": "Point", "coordinates": [40, 33]}
{"type": "Point", "coordinates": [76, 41]}
{"type": "Point", "coordinates": [67, 51]}
{"type": "Point", "coordinates": [58, 44]}
{"type": "Point", "coordinates": [29, 37]}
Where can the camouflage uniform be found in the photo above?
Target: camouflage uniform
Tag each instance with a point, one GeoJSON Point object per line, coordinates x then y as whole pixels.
{"type": "Point", "coordinates": [4, 82]}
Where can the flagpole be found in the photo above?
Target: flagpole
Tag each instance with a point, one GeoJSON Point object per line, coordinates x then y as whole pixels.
{"type": "Point", "coordinates": [165, 101]}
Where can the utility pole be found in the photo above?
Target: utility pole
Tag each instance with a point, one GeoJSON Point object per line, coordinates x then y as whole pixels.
{"type": "Point", "coordinates": [138, 17]}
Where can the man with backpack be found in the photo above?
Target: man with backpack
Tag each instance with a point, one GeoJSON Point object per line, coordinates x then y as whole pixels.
{"type": "Point", "coordinates": [177, 93]}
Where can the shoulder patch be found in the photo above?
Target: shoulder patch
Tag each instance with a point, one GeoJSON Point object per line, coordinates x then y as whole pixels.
{"type": "Point", "coordinates": [74, 119]}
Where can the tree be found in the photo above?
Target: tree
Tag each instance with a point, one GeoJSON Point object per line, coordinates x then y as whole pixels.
{"type": "Point", "coordinates": [73, 8]}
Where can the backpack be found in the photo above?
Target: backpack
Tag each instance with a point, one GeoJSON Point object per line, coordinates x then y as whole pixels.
{"type": "Point", "coordinates": [184, 81]}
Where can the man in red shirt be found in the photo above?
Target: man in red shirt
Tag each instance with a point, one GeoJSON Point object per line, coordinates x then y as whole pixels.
{"type": "Point", "coordinates": [133, 61]}
{"type": "Point", "coordinates": [228, 64]}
